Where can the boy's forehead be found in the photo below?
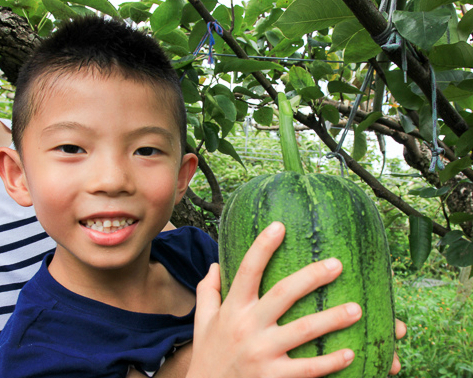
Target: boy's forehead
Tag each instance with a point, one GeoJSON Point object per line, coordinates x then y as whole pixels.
{"type": "Point", "coordinates": [63, 83]}
{"type": "Point", "coordinates": [61, 86]}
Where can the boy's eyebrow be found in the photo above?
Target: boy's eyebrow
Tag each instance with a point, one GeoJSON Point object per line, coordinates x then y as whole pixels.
{"type": "Point", "coordinates": [132, 134]}
{"type": "Point", "coordinates": [66, 125]}
{"type": "Point", "coordinates": [152, 130]}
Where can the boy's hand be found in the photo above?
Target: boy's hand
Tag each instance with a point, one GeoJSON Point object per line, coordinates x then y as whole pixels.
{"type": "Point", "coordinates": [240, 338]}
{"type": "Point", "coordinates": [401, 330]}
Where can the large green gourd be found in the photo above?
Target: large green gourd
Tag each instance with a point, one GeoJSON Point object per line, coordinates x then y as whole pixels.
{"type": "Point", "coordinates": [325, 216]}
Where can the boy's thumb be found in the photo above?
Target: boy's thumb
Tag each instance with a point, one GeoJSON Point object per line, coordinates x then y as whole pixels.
{"type": "Point", "coordinates": [208, 300]}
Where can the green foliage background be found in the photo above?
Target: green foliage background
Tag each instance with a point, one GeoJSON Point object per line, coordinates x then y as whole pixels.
{"type": "Point", "coordinates": [324, 50]}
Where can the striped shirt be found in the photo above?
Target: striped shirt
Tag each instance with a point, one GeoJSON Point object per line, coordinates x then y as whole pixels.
{"type": "Point", "coordinates": [23, 244]}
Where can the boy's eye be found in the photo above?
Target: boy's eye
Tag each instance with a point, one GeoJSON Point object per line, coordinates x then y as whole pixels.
{"type": "Point", "coordinates": [147, 151]}
{"type": "Point", "coordinates": [71, 149]}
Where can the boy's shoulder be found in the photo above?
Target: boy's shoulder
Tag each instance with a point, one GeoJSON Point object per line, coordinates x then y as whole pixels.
{"type": "Point", "coordinates": [186, 252]}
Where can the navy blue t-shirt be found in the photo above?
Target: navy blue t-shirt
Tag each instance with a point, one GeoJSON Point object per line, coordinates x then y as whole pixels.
{"type": "Point", "coordinates": [54, 332]}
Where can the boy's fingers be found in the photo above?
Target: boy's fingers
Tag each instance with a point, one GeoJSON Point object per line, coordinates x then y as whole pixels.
{"type": "Point", "coordinates": [396, 366]}
{"type": "Point", "coordinates": [208, 299]}
{"type": "Point", "coordinates": [287, 291]}
{"type": "Point", "coordinates": [401, 329]}
{"type": "Point", "coordinates": [312, 326]}
{"type": "Point", "coordinates": [319, 366]}
{"type": "Point", "coordinates": [246, 283]}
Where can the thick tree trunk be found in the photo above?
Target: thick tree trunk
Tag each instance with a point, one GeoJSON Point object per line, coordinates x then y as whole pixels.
{"type": "Point", "coordinates": [17, 40]}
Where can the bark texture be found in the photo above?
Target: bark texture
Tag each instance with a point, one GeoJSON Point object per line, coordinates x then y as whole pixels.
{"type": "Point", "coordinates": [17, 40]}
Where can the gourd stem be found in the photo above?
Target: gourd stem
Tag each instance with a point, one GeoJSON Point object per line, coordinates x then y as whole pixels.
{"type": "Point", "coordinates": [290, 150]}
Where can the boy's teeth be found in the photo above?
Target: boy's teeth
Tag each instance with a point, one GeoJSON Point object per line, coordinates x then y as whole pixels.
{"type": "Point", "coordinates": [108, 225]}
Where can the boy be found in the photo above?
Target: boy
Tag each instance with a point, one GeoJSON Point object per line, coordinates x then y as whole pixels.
{"type": "Point", "coordinates": [23, 242]}
{"type": "Point", "coordinates": [99, 125]}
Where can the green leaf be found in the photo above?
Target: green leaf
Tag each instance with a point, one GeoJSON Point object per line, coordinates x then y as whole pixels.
{"type": "Point", "coordinates": [246, 66]}
{"type": "Point", "coordinates": [189, 91]}
{"type": "Point", "coordinates": [368, 121]}
{"type": "Point", "coordinates": [430, 192]}
{"type": "Point", "coordinates": [451, 237]}
{"type": "Point", "coordinates": [353, 37]}
{"type": "Point", "coordinates": [422, 28]}
{"type": "Point", "coordinates": [311, 93]}
{"type": "Point", "coordinates": [406, 122]}
{"type": "Point", "coordinates": [459, 217]}
{"type": "Point", "coordinates": [456, 55]}
{"type": "Point", "coordinates": [428, 5]}
{"type": "Point", "coordinates": [465, 26]}
{"type": "Point", "coordinates": [319, 69]}
{"type": "Point", "coordinates": [211, 136]}
{"type": "Point", "coordinates": [103, 6]}
{"type": "Point", "coordinates": [242, 109]}
{"type": "Point", "coordinates": [191, 141]}
{"type": "Point", "coordinates": [300, 78]}
{"type": "Point", "coordinates": [420, 239]}
{"type": "Point", "coordinates": [190, 15]}
{"type": "Point", "coordinates": [360, 145]}
{"type": "Point", "coordinates": [305, 16]}
{"type": "Point", "coordinates": [465, 143]}
{"type": "Point", "coordinates": [341, 87]}
{"type": "Point", "coordinates": [460, 253]}
{"type": "Point", "coordinates": [167, 16]}
{"type": "Point", "coordinates": [401, 91]}
{"type": "Point", "coordinates": [425, 122]}
{"type": "Point", "coordinates": [177, 38]}
{"type": "Point", "coordinates": [454, 168]}
{"type": "Point", "coordinates": [184, 61]}
{"type": "Point", "coordinates": [19, 5]}
{"type": "Point", "coordinates": [59, 10]}
{"type": "Point", "coordinates": [265, 23]}
{"type": "Point", "coordinates": [255, 8]}
{"type": "Point", "coordinates": [246, 92]}
{"type": "Point", "coordinates": [227, 106]}
{"type": "Point", "coordinates": [330, 113]}
{"type": "Point", "coordinates": [220, 89]}
{"type": "Point", "coordinates": [264, 116]}
{"type": "Point", "coordinates": [225, 147]}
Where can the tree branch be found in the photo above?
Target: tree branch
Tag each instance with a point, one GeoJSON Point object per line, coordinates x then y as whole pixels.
{"type": "Point", "coordinates": [216, 205]}
{"type": "Point", "coordinates": [375, 23]}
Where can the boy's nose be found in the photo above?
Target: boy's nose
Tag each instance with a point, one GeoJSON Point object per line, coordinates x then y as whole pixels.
{"type": "Point", "coordinates": [111, 177]}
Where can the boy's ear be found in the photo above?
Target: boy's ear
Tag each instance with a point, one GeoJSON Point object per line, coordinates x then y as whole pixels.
{"type": "Point", "coordinates": [186, 172]}
{"type": "Point", "coordinates": [13, 176]}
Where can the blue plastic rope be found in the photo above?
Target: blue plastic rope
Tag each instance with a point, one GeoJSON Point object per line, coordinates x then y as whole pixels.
{"type": "Point", "coordinates": [436, 162]}
{"type": "Point", "coordinates": [211, 26]}
{"type": "Point", "coordinates": [351, 117]}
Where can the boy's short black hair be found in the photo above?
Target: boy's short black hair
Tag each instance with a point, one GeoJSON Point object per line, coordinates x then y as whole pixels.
{"type": "Point", "coordinates": [106, 47]}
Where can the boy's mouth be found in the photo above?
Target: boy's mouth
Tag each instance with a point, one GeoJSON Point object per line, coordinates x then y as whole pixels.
{"type": "Point", "coordinates": [107, 225]}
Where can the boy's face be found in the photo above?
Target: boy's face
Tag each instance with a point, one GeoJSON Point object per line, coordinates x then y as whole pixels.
{"type": "Point", "coordinates": [103, 150]}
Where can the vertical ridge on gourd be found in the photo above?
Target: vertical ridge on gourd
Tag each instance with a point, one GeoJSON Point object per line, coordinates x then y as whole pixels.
{"type": "Point", "coordinates": [325, 216]}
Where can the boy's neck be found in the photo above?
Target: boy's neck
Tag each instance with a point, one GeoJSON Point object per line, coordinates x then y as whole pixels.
{"type": "Point", "coordinates": [146, 287]}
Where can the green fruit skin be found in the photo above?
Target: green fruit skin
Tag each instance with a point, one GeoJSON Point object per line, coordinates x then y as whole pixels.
{"type": "Point", "coordinates": [325, 216]}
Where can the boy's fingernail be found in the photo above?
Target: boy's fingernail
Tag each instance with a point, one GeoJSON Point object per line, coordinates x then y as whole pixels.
{"type": "Point", "coordinates": [349, 355]}
{"type": "Point", "coordinates": [332, 263]}
{"type": "Point", "coordinates": [274, 228]}
{"type": "Point", "coordinates": [352, 309]}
